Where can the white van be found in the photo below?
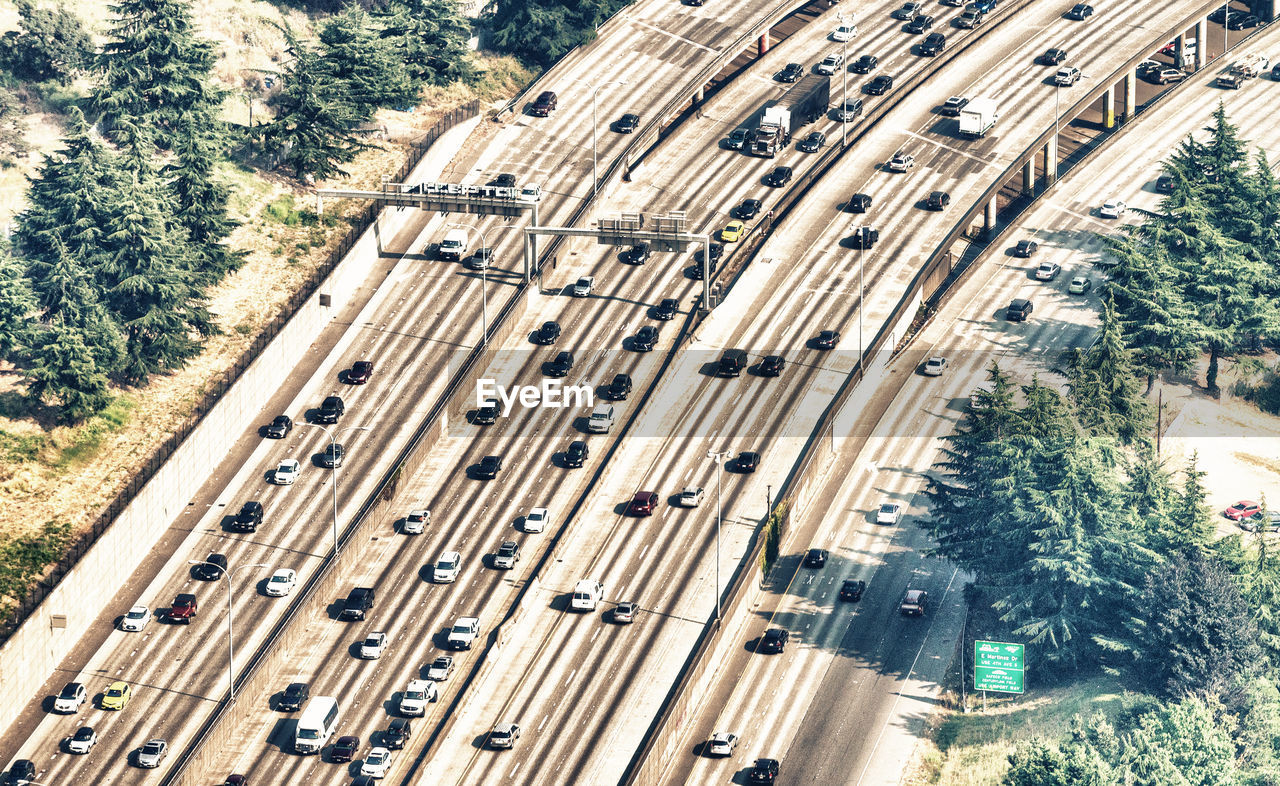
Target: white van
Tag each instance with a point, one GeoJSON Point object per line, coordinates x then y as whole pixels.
{"type": "Point", "coordinates": [531, 192]}
{"type": "Point", "coordinates": [446, 568]}
{"type": "Point", "coordinates": [601, 419]}
{"type": "Point", "coordinates": [587, 595]}
{"type": "Point", "coordinates": [317, 724]}
{"type": "Point", "coordinates": [454, 245]}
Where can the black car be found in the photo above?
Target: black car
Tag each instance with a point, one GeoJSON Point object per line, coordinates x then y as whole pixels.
{"type": "Point", "coordinates": [333, 455]}
{"type": "Point", "coordinates": [504, 180]}
{"type": "Point", "coordinates": [331, 409]}
{"type": "Point", "coordinates": [666, 310]}
{"type": "Point", "coordinates": [737, 139]}
{"type": "Point", "coordinates": [645, 339]}
{"type": "Point", "coordinates": [489, 467]}
{"type": "Point", "coordinates": [1019, 309]}
{"type": "Point", "coordinates": [577, 453]}
{"type": "Point", "coordinates": [547, 334]}
{"type": "Point", "coordinates": [212, 568]}
{"type": "Point", "coordinates": [858, 203]}
{"type": "Point", "coordinates": [695, 272]}
{"type": "Point", "coordinates": [357, 604]}
{"type": "Point", "coordinates": [920, 24]}
{"type": "Point", "coordinates": [345, 749]}
{"type": "Point", "coordinates": [815, 558]}
{"type": "Point", "coordinates": [812, 143]}
{"type": "Point", "coordinates": [852, 589]}
{"type": "Point", "coordinates": [619, 388]}
{"type": "Point", "coordinates": [879, 85]}
{"type": "Point", "coordinates": [774, 640]}
{"type": "Point", "coordinates": [544, 105]}
{"type": "Point", "coordinates": [937, 200]}
{"type": "Point", "coordinates": [487, 414]}
{"type": "Point", "coordinates": [1080, 12]}
{"type": "Point", "coordinates": [749, 209]}
{"type": "Point", "coordinates": [827, 339]}
{"type": "Point", "coordinates": [280, 427]}
{"type": "Point", "coordinates": [933, 44]}
{"type": "Point", "coordinates": [864, 237]}
{"type": "Point", "coordinates": [748, 461]}
{"type": "Point", "coordinates": [732, 362]}
{"type": "Point", "coordinates": [294, 697]}
{"type": "Point", "coordinates": [772, 365]}
{"type": "Point", "coordinates": [717, 251]}
{"type": "Point", "coordinates": [764, 771]}
{"type": "Point", "coordinates": [562, 364]}
{"type": "Point", "coordinates": [360, 372]}
{"type": "Point", "coordinates": [779, 177]}
{"type": "Point", "coordinates": [791, 72]}
{"type": "Point", "coordinates": [1243, 21]}
{"type": "Point", "coordinates": [397, 734]}
{"type": "Point", "coordinates": [627, 123]}
{"type": "Point", "coordinates": [22, 771]}
{"type": "Point", "coordinates": [1164, 184]}
{"type": "Point", "coordinates": [637, 254]}
{"type": "Point", "coordinates": [249, 517]}
{"type": "Point", "coordinates": [1026, 248]}
{"type": "Point", "coordinates": [1053, 57]}
{"type": "Point", "coordinates": [952, 106]}
{"type": "Point", "coordinates": [865, 64]}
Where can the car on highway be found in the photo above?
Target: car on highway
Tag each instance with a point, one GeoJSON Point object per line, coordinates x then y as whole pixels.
{"type": "Point", "coordinates": [830, 64]}
{"type": "Point", "coordinates": [503, 180]}
{"type": "Point", "coordinates": [1113, 208]}
{"type": "Point", "coordinates": [1053, 57]}
{"type": "Point", "coordinates": [859, 203]}
{"type": "Point", "coordinates": [152, 753]}
{"type": "Point", "coordinates": [504, 736]}
{"type": "Point", "coordinates": [774, 640]}
{"type": "Point", "coordinates": [645, 339]}
{"type": "Point", "coordinates": [282, 583]}
{"type": "Point", "coordinates": [772, 365]}
{"type": "Point", "coordinates": [440, 668]}
{"type": "Point", "coordinates": [333, 456]}
{"type": "Point", "coordinates": [749, 209]}
{"type": "Point", "coordinates": [414, 697]}
{"type": "Point", "coordinates": [952, 106]}
{"type": "Point", "coordinates": [22, 772]}
{"type": "Point", "coordinates": [748, 461]}
{"type": "Point", "coordinates": [480, 260]}
{"type": "Point", "coordinates": [921, 23]}
{"type": "Point", "coordinates": [135, 619]}
{"type": "Point", "coordinates": [584, 286]}
{"type": "Point", "coordinates": [561, 365]}
{"type": "Point", "coordinates": [416, 522]}
{"type": "Point", "coordinates": [844, 32]}
{"type": "Point", "coordinates": [779, 177]}
{"type": "Point", "coordinates": [1047, 271]}
{"type": "Point", "coordinates": [937, 200]}
{"type": "Point", "coordinates": [901, 162]}
{"type": "Point", "coordinates": [1080, 12]}
{"type": "Point", "coordinates": [636, 255]}
{"type": "Point", "coordinates": [577, 453]}
{"type": "Point", "coordinates": [1026, 249]}
{"type": "Point", "coordinates": [733, 231]}
{"type": "Point", "coordinates": [889, 513]}
{"type": "Point", "coordinates": [294, 696]}
{"type": "Point", "coordinates": [827, 339]}
{"type": "Point", "coordinates": [544, 104]}
{"type": "Point", "coordinates": [183, 608]}
{"type": "Point", "coordinates": [737, 139]}
{"type": "Point", "coordinates": [489, 467]}
{"type": "Point", "coordinates": [331, 410]}
{"type": "Point", "coordinates": [851, 109]}
{"type": "Point", "coordinates": [815, 558]}
{"type": "Point", "coordinates": [548, 333]}
{"type": "Point", "coordinates": [531, 192]}
{"type": "Point", "coordinates": [627, 124]}
{"type": "Point", "coordinates": [463, 634]}
{"type": "Point", "coordinates": [249, 518]}
{"type": "Point", "coordinates": [810, 144]}
{"type": "Point", "coordinates": [1066, 76]}
{"type": "Point", "coordinates": [212, 568]}
{"type": "Point", "coordinates": [287, 472]}
{"type": "Point", "coordinates": [446, 567]}
{"type": "Point", "coordinates": [82, 741]}
{"type": "Point", "coordinates": [398, 732]}
{"type": "Point", "coordinates": [1164, 184]}
{"type": "Point", "coordinates": [71, 698]}
{"type": "Point", "coordinates": [908, 11]}
{"type": "Point", "coordinates": [619, 388]}
{"type": "Point", "coordinates": [1242, 509]}
{"type": "Point", "coordinates": [913, 603]}
{"type": "Point", "coordinates": [357, 604]}
{"type": "Point", "coordinates": [537, 520]}
{"type": "Point", "coordinates": [360, 372]}
{"type": "Point", "coordinates": [864, 237]}
{"type": "Point", "coordinates": [642, 503]}
{"type": "Point", "coordinates": [864, 64]}
{"type": "Point", "coordinates": [934, 366]}
{"type": "Point", "coordinates": [791, 72]}
{"type": "Point", "coordinates": [722, 743]}
{"type": "Point", "coordinates": [852, 589]}
{"type": "Point", "coordinates": [1243, 21]}
{"type": "Point", "coordinates": [1080, 285]}
{"type": "Point", "coordinates": [933, 44]}
{"type": "Point", "coordinates": [878, 85]}
{"type": "Point", "coordinates": [377, 763]}
{"type": "Point", "coordinates": [690, 497]}
{"type": "Point", "coordinates": [766, 770]}
{"type": "Point", "coordinates": [487, 414]}
{"type": "Point", "coordinates": [345, 749]}
{"type": "Point", "coordinates": [666, 309]}
{"type": "Point", "coordinates": [373, 645]}
{"type": "Point", "coordinates": [507, 555]}
{"type": "Point", "coordinates": [1019, 309]}
{"type": "Point", "coordinates": [279, 427]}
{"type": "Point", "coordinates": [1164, 76]}
{"type": "Point", "coordinates": [625, 613]}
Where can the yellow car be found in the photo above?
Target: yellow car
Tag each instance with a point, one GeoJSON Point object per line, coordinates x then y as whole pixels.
{"type": "Point", "coordinates": [116, 697]}
{"type": "Point", "coordinates": [732, 231]}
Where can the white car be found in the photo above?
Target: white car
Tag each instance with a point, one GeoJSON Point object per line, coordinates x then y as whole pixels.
{"type": "Point", "coordinates": [1048, 271]}
{"type": "Point", "coordinates": [722, 743]}
{"type": "Point", "coordinates": [691, 497]}
{"type": "Point", "coordinates": [136, 619]}
{"type": "Point", "coordinates": [583, 287]}
{"type": "Point", "coordinates": [844, 33]}
{"type": "Point", "coordinates": [151, 754]}
{"type": "Point", "coordinates": [531, 192]}
{"type": "Point", "coordinates": [1113, 208]}
{"type": "Point", "coordinates": [414, 698]}
{"type": "Point", "coordinates": [446, 568]}
{"type": "Point", "coordinates": [537, 520]}
{"type": "Point", "coordinates": [934, 366]}
{"type": "Point", "coordinates": [71, 699]}
{"type": "Point", "coordinates": [282, 583]}
{"type": "Point", "coordinates": [83, 740]}
{"type": "Point", "coordinates": [901, 162]}
{"type": "Point", "coordinates": [287, 472]}
{"type": "Point", "coordinates": [889, 513]}
{"type": "Point", "coordinates": [373, 645]}
{"type": "Point", "coordinates": [440, 668]}
{"type": "Point", "coordinates": [831, 63]}
{"type": "Point", "coordinates": [504, 735]}
{"type": "Point", "coordinates": [416, 522]}
{"type": "Point", "coordinates": [377, 763]}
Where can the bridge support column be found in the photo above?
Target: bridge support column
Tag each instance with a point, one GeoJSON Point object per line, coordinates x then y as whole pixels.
{"type": "Point", "coordinates": [764, 43]}
{"type": "Point", "coordinates": [989, 216]}
{"type": "Point", "coordinates": [1130, 94]}
{"type": "Point", "coordinates": [1109, 107]}
{"type": "Point", "coordinates": [698, 96]}
{"type": "Point", "coordinates": [1202, 43]}
{"type": "Point", "coordinates": [1051, 161]}
{"type": "Point", "coordinates": [1029, 176]}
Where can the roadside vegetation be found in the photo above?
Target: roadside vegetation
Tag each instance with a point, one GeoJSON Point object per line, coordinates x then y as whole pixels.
{"type": "Point", "coordinates": [1089, 548]}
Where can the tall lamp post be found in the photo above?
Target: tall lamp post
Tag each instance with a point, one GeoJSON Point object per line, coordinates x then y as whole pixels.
{"type": "Point", "coordinates": [333, 441]}
{"type": "Point", "coordinates": [862, 233]}
{"type": "Point", "coordinates": [719, 457]}
{"type": "Point", "coordinates": [484, 279]}
{"type": "Point", "coordinates": [224, 573]}
{"type": "Point", "coordinates": [595, 125]}
{"type": "Point", "coordinates": [844, 88]}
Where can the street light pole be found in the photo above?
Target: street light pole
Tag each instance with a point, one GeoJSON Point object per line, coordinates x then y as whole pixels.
{"type": "Point", "coordinates": [223, 573]}
{"type": "Point", "coordinates": [717, 456]}
{"type": "Point", "coordinates": [595, 93]}
{"type": "Point", "coordinates": [484, 279]}
{"type": "Point", "coordinates": [333, 441]}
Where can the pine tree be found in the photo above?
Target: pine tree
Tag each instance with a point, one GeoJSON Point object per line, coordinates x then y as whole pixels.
{"type": "Point", "coordinates": [17, 306]}
{"type": "Point", "coordinates": [1158, 324]}
{"type": "Point", "coordinates": [51, 44]}
{"type": "Point", "coordinates": [61, 369]}
{"type": "Point", "coordinates": [430, 39]}
{"type": "Point", "coordinates": [1190, 522]}
{"type": "Point", "coordinates": [364, 64]}
{"type": "Point", "coordinates": [66, 293]}
{"type": "Point", "coordinates": [202, 198]}
{"type": "Point", "coordinates": [1261, 237]}
{"type": "Point", "coordinates": [1104, 386]}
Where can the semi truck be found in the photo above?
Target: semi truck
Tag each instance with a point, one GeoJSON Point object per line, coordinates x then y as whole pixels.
{"type": "Point", "coordinates": [978, 117]}
{"type": "Point", "coordinates": [806, 101]}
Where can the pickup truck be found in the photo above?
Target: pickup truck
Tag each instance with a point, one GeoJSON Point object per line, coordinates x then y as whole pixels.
{"type": "Point", "coordinates": [463, 633]}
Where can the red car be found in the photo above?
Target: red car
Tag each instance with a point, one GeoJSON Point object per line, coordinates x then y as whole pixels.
{"type": "Point", "coordinates": [1242, 510]}
{"type": "Point", "coordinates": [643, 503]}
{"type": "Point", "coordinates": [184, 608]}
{"type": "Point", "coordinates": [360, 372]}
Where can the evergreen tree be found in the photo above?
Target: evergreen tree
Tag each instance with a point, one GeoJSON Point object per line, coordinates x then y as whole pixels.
{"type": "Point", "coordinates": [65, 293]}
{"type": "Point", "coordinates": [1188, 737]}
{"type": "Point", "coordinates": [1190, 522]}
{"type": "Point", "coordinates": [201, 198]}
{"type": "Point", "coordinates": [17, 306]}
{"type": "Point", "coordinates": [1104, 387]}
{"type": "Point", "coordinates": [1158, 324]}
{"type": "Point", "coordinates": [1149, 490]}
{"type": "Point", "coordinates": [364, 64]}
{"type": "Point", "coordinates": [1037, 762]}
{"type": "Point", "coordinates": [430, 40]}
{"type": "Point", "coordinates": [543, 31]}
{"type": "Point", "coordinates": [61, 369]}
{"type": "Point", "coordinates": [51, 44]}
{"type": "Point", "coordinates": [1261, 236]}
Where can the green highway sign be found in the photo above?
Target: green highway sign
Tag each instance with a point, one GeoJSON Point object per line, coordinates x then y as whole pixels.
{"type": "Point", "coordinates": [997, 666]}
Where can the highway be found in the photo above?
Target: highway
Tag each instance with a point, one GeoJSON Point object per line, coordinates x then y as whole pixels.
{"type": "Point", "coordinates": [862, 655]}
